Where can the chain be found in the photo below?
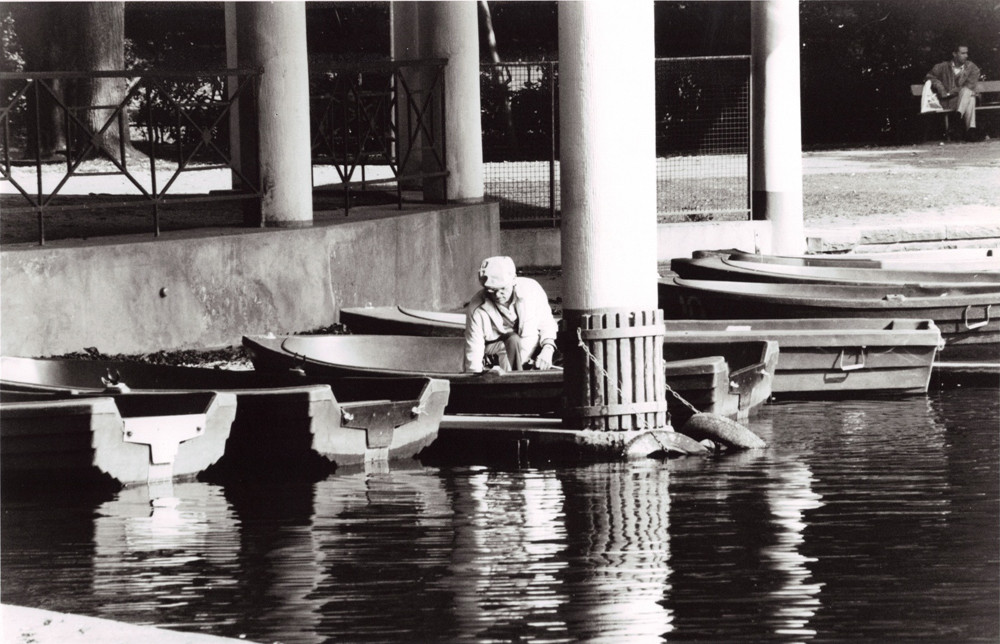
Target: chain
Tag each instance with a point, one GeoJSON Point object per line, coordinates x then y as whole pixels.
{"type": "Point", "coordinates": [681, 398]}
{"type": "Point", "coordinates": [614, 383]}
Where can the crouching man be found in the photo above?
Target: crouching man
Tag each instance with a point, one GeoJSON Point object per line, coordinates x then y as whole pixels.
{"type": "Point", "coordinates": [510, 319]}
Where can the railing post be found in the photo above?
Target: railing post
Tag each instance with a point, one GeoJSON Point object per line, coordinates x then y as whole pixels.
{"type": "Point", "coordinates": [553, 123]}
{"type": "Point", "coordinates": [38, 163]}
{"type": "Point", "coordinates": [152, 161]}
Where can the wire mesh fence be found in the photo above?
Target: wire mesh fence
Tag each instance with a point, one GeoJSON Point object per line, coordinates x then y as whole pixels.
{"type": "Point", "coordinates": [702, 139]}
{"type": "Point", "coordinates": [520, 144]}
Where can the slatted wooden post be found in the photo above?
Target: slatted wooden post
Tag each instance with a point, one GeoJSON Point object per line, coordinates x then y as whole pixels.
{"type": "Point", "coordinates": [614, 371]}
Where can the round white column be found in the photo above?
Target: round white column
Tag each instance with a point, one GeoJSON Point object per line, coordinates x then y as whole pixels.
{"type": "Point", "coordinates": [777, 123]}
{"type": "Point", "coordinates": [607, 154]}
{"type": "Point", "coordinates": [272, 36]}
{"type": "Point", "coordinates": [451, 30]}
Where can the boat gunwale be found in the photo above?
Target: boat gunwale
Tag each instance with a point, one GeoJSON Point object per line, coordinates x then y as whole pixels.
{"type": "Point", "coordinates": [861, 299]}
{"type": "Point", "coordinates": [854, 274]}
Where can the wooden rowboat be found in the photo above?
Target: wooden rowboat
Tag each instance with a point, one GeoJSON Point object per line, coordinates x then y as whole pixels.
{"type": "Point", "coordinates": [760, 268]}
{"type": "Point", "coordinates": [332, 357]}
{"type": "Point", "coordinates": [135, 438]}
{"type": "Point", "coordinates": [965, 317]}
{"type": "Point", "coordinates": [820, 357]}
{"type": "Point", "coordinates": [946, 260]}
{"type": "Point", "coordinates": [397, 320]}
{"type": "Point", "coordinates": [283, 422]}
{"type": "Point", "coordinates": [740, 377]}
{"type": "Point", "coordinates": [940, 259]}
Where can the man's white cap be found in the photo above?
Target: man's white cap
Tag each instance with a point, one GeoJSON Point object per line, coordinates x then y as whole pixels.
{"type": "Point", "coordinates": [497, 272]}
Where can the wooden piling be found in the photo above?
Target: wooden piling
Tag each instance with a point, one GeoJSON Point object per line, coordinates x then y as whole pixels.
{"type": "Point", "coordinates": [614, 370]}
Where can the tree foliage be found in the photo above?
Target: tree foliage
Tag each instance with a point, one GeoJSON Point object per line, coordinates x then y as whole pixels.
{"type": "Point", "coordinates": [858, 57]}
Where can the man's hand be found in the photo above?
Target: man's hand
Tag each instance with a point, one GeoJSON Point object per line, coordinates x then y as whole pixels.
{"type": "Point", "coordinates": [544, 359]}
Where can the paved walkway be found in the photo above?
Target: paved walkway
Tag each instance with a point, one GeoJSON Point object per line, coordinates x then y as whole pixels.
{"type": "Point", "coordinates": [924, 192]}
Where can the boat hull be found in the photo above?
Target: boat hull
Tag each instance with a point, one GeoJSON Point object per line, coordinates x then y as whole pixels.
{"type": "Point", "coordinates": [331, 358]}
{"type": "Point", "coordinates": [130, 438]}
{"type": "Point", "coordinates": [968, 322]}
{"type": "Point", "coordinates": [284, 422]}
{"type": "Point", "coordinates": [397, 320]}
{"type": "Point", "coordinates": [760, 268]}
{"type": "Point", "coordinates": [820, 357]}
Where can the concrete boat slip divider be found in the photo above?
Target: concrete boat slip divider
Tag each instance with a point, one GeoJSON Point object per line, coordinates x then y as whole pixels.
{"type": "Point", "coordinates": [283, 423]}
{"type": "Point", "coordinates": [131, 438]}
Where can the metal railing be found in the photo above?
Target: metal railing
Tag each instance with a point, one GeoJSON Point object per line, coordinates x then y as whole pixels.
{"type": "Point", "coordinates": [378, 123]}
{"type": "Point", "coordinates": [179, 119]}
{"type": "Point", "coordinates": [702, 139]}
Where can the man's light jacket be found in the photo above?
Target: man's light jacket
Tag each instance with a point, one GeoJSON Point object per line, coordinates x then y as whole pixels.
{"type": "Point", "coordinates": [484, 323]}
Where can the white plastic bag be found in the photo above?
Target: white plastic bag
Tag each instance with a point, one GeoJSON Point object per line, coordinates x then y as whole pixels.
{"type": "Point", "coordinates": [929, 101]}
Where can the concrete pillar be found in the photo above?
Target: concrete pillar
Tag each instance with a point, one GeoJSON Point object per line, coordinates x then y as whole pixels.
{"type": "Point", "coordinates": [272, 36]}
{"type": "Point", "coordinates": [451, 30]}
{"type": "Point", "coordinates": [776, 140]}
{"type": "Point", "coordinates": [404, 19]}
{"type": "Point", "coordinates": [608, 182]}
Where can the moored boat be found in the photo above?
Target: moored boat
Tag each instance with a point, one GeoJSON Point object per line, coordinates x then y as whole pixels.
{"type": "Point", "coordinates": [763, 268]}
{"type": "Point", "coordinates": [965, 317]}
{"type": "Point", "coordinates": [821, 357]}
{"type": "Point", "coordinates": [948, 260]}
{"type": "Point", "coordinates": [398, 320]}
{"type": "Point", "coordinates": [731, 379]}
{"type": "Point", "coordinates": [332, 357]}
{"type": "Point", "coordinates": [283, 420]}
{"type": "Point", "coordinates": [131, 438]}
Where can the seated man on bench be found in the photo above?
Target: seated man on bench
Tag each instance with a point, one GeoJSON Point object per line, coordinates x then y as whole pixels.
{"type": "Point", "coordinates": [954, 82]}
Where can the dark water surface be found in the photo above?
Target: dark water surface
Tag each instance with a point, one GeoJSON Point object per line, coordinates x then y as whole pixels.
{"type": "Point", "coordinates": [865, 521]}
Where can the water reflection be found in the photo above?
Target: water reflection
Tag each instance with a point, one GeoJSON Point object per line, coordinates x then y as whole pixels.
{"type": "Point", "coordinates": [163, 547]}
{"type": "Point", "coordinates": [865, 521]}
{"type": "Point", "coordinates": [619, 519]}
{"type": "Point", "coordinates": [280, 557]}
{"type": "Point", "coordinates": [385, 540]}
{"type": "Point", "coordinates": [790, 494]}
{"type": "Point", "coordinates": [506, 565]}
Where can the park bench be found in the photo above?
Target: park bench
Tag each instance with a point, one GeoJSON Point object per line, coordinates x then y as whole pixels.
{"type": "Point", "coordinates": [987, 98]}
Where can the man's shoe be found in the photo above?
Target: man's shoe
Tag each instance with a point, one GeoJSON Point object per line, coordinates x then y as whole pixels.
{"type": "Point", "coordinates": [972, 135]}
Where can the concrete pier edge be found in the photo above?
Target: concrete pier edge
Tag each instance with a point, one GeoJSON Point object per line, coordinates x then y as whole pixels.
{"type": "Point", "coordinates": [22, 624]}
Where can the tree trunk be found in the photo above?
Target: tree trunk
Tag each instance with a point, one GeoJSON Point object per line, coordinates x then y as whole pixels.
{"type": "Point", "coordinates": [490, 36]}
{"type": "Point", "coordinates": [74, 36]}
{"type": "Point", "coordinates": [100, 43]}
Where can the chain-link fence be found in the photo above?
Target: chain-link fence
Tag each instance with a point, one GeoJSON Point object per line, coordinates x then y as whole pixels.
{"type": "Point", "coordinates": [520, 141]}
{"type": "Point", "coordinates": [702, 139]}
